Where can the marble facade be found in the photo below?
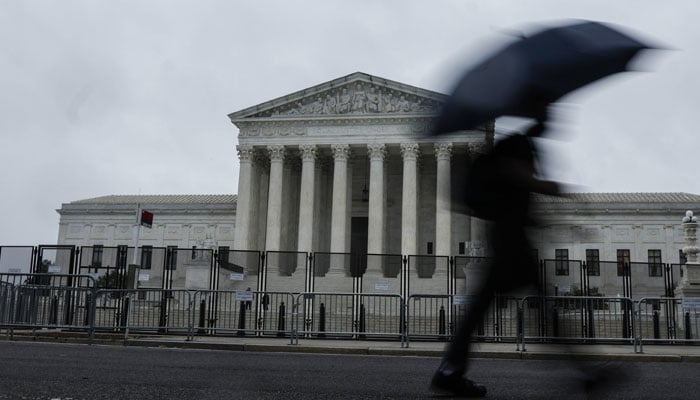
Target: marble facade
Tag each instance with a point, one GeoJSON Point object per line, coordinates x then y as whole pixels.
{"type": "Point", "coordinates": [350, 149]}
{"type": "Point", "coordinates": [346, 167]}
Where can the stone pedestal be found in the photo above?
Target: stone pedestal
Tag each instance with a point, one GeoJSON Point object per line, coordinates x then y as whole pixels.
{"type": "Point", "coordinates": [689, 286]}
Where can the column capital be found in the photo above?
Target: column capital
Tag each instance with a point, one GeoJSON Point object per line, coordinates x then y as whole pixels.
{"type": "Point", "coordinates": [478, 148]}
{"type": "Point", "coordinates": [276, 152]}
{"type": "Point", "coordinates": [376, 151]}
{"type": "Point", "coordinates": [245, 152]}
{"type": "Point", "coordinates": [410, 151]}
{"type": "Point", "coordinates": [307, 152]}
{"type": "Point", "coordinates": [443, 151]}
{"type": "Point", "coordinates": [261, 159]}
{"type": "Point", "coordinates": [341, 152]}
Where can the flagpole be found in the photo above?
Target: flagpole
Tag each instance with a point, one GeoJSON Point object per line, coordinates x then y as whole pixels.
{"type": "Point", "coordinates": [138, 232]}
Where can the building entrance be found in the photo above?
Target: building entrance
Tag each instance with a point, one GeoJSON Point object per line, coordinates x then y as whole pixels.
{"type": "Point", "coordinates": [358, 246]}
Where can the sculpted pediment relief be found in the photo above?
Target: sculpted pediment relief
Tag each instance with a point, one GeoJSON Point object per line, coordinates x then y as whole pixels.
{"type": "Point", "coordinates": [360, 98]}
{"type": "Point", "coordinates": [355, 95]}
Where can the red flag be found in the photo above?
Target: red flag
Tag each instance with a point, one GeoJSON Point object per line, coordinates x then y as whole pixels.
{"type": "Point", "coordinates": [146, 218]}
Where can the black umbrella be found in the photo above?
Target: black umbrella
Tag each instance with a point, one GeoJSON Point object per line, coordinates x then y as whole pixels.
{"type": "Point", "coordinates": [527, 75]}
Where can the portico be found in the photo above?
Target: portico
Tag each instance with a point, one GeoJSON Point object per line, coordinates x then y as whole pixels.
{"type": "Point", "coordinates": [346, 167]}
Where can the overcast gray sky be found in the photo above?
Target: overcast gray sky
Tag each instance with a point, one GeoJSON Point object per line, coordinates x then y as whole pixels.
{"type": "Point", "coordinates": [127, 97]}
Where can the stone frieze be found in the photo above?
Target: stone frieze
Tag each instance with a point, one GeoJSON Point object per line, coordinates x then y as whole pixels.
{"type": "Point", "coordinates": [356, 98]}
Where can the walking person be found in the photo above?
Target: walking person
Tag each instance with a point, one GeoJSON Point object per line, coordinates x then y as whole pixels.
{"type": "Point", "coordinates": [509, 178]}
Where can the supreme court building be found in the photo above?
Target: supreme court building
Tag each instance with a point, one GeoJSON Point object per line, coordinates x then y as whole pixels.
{"type": "Point", "coordinates": [342, 189]}
{"type": "Point", "coordinates": [346, 167]}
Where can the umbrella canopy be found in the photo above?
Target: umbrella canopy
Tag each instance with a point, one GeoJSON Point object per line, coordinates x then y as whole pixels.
{"type": "Point", "coordinates": [527, 75]}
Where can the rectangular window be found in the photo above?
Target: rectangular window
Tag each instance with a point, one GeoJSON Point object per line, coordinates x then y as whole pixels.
{"type": "Point", "coordinates": [655, 266]}
{"type": "Point", "coordinates": [462, 248]}
{"type": "Point", "coordinates": [429, 248]}
{"type": "Point", "coordinates": [561, 262]}
{"type": "Point", "coordinates": [592, 262]}
{"type": "Point", "coordinates": [223, 253]}
{"type": "Point", "coordinates": [97, 251]}
{"type": "Point", "coordinates": [146, 256]}
{"type": "Point", "coordinates": [172, 258]}
{"type": "Point", "coordinates": [122, 251]}
{"type": "Point", "coordinates": [623, 262]}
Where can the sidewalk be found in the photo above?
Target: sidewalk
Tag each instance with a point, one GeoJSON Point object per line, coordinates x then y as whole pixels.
{"type": "Point", "coordinates": [534, 351]}
{"type": "Point", "coordinates": [593, 352]}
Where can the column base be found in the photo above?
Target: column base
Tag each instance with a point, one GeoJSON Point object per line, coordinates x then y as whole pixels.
{"type": "Point", "coordinates": [374, 282]}
{"type": "Point", "coordinates": [336, 281]}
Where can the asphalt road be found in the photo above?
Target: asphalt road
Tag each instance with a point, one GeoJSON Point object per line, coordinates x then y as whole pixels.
{"type": "Point", "coordinates": [31, 370]}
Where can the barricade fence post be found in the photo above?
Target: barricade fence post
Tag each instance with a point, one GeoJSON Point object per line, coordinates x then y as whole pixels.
{"type": "Point", "coordinates": [37, 301]}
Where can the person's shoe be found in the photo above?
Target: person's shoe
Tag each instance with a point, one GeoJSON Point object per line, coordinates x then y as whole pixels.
{"type": "Point", "coordinates": [456, 385]}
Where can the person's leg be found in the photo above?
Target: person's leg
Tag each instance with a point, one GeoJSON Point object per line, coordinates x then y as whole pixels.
{"type": "Point", "coordinates": [449, 377]}
{"type": "Point", "coordinates": [457, 353]}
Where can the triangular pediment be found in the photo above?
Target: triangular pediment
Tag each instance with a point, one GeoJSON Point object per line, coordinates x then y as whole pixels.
{"type": "Point", "coordinates": [357, 94]}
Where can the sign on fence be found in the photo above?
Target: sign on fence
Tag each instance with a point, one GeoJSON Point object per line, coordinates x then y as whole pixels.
{"type": "Point", "coordinates": [236, 277]}
{"type": "Point", "coordinates": [460, 299]}
{"type": "Point", "coordinates": [245, 295]}
{"type": "Point", "coordinates": [692, 303]}
{"type": "Point", "coordinates": [381, 286]}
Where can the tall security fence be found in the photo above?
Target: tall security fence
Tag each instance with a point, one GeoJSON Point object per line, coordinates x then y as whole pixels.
{"type": "Point", "coordinates": [77, 303]}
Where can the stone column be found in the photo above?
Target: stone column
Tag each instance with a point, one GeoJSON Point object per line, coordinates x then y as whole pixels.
{"type": "Point", "coordinates": [244, 204]}
{"type": "Point", "coordinates": [443, 200]}
{"type": "Point", "coordinates": [377, 194]}
{"type": "Point", "coordinates": [273, 234]}
{"type": "Point", "coordinates": [409, 199]}
{"type": "Point", "coordinates": [307, 197]}
{"type": "Point", "coordinates": [478, 227]}
{"type": "Point", "coordinates": [340, 198]}
{"type": "Point", "coordinates": [689, 286]}
{"type": "Point", "coordinates": [263, 178]}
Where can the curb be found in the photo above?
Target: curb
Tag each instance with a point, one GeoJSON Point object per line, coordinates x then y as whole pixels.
{"type": "Point", "coordinates": [374, 351]}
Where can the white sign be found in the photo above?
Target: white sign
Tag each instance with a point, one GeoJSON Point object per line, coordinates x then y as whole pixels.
{"type": "Point", "coordinates": [236, 277]}
{"type": "Point", "coordinates": [54, 269]}
{"type": "Point", "coordinates": [691, 302]}
{"type": "Point", "coordinates": [460, 299]}
{"type": "Point", "coordinates": [14, 270]}
{"type": "Point", "coordinates": [144, 277]}
{"type": "Point", "coordinates": [244, 296]}
{"type": "Point", "coordinates": [381, 286]}
{"type": "Point", "coordinates": [565, 288]}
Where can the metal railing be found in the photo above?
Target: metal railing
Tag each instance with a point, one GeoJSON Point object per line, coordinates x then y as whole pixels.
{"type": "Point", "coordinates": [349, 315]}
{"type": "Point", "coordinates": [242, 312]}
{"type": "Point", "coordinates": [162, 311]}
{"type": "Point", "coordinates": [32, 301]}
{"type": "Point", "coordinates": [74, 302]}
{"type": "Point", "coordinates": [666, 320]}
{"type": "Point", "coordinates": [584, 319]}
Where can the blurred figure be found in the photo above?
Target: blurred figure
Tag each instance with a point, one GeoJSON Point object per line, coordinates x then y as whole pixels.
{"type": "Point", "coordinates": [521, 79]}
{"type": "Point", "coordinates": [512, 178]}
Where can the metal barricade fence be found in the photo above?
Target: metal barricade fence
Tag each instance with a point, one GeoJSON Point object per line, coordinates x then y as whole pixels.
{"type": "Point", "coordinates": [242, 312]}
{"type": "Point", "coordinates": [34, 301]}
{"type": "Point", "coordinates": [429, 316]}
{"type": "Point", "coordinates": [500, 321]}
{"type": "Point", "coordinates": [666, 320]}
{"type": "Point", "coordinates": [352, 315]}
{"type": "Point", "coordinates": [577, 318]}
{"type": "Point", "coordinates": [152, 310]}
